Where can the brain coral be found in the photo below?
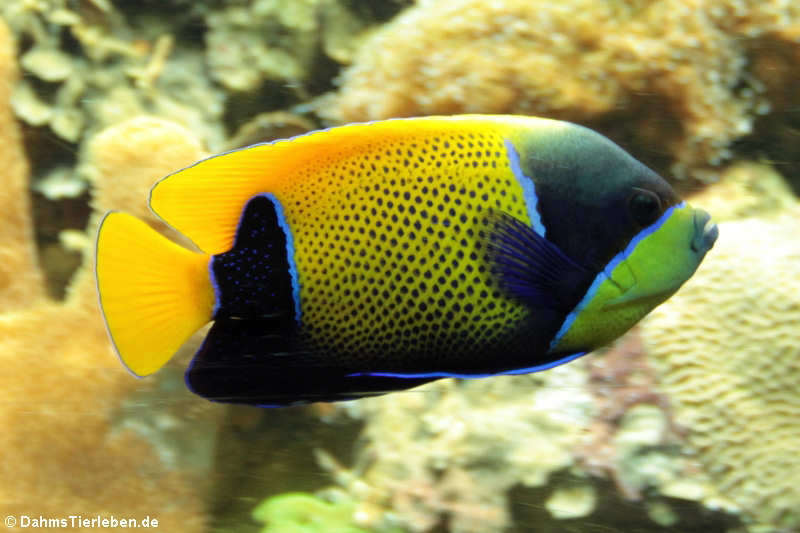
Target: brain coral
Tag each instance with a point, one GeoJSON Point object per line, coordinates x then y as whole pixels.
{"type": "Point", "coordinates": [675, 71]}
{"type": "Point", "coordinates": [727, 348]}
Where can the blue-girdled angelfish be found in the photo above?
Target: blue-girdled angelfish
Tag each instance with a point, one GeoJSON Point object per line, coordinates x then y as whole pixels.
{"type": "Point", "coordinates": [374, 257]}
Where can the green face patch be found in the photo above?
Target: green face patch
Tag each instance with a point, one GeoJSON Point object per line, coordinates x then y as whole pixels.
{"type": "Point", "coordinates": [652, 267]}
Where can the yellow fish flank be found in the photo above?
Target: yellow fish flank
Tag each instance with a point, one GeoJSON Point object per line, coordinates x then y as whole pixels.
{"type": "Point", "coordinates": [393, 265]}
{"type": "Point", "coordinates": [375, 257]}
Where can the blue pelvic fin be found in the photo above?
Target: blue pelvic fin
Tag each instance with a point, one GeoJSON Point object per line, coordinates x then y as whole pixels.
{"type": "Point", "coordinates": [531, 268]}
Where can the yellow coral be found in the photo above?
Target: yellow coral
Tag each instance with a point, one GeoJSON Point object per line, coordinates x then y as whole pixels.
{"type": "Point", "coordinates": [727, 347]}
{"type": "Point", "coordinates": [66, 446]}
{"type": "Point", "coordinates": [20, 279]}
{"type": "Point", "coordinates": [122, 176]}
{"type": "Point", "coordinates": [475, 56]}
{"type": "Point", "coordinates": [580, 60]}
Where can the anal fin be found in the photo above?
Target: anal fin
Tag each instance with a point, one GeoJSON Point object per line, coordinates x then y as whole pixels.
{"type": "Point", "coordinates": [243, 361]}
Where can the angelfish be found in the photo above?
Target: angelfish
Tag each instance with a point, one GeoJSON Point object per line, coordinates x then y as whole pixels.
{"type": "Point", "coordinates": [374, 257]}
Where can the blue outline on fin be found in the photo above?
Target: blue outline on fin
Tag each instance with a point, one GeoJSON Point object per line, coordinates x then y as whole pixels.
{"type": "Point", "coordinates": [289, 253]}
{"type": "Point", "coordinates": [289, 256]}
{"type": "Point", "coordinates": [215, 286]}
{"type": "Point", "coordinates": [514, 372]}
{"type": "Point", "coordinates": [528, 188]}
{"type": "Point", "coordinates": [609, 269]}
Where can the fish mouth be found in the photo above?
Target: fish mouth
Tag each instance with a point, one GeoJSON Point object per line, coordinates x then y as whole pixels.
{"type": "Point", "coordinates": [705, 232]}
{"type": "Point", "coordinates": [633, 276]}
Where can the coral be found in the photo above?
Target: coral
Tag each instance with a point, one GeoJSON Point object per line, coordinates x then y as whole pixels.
{"type": "Point", "coordinates": [117, 156]}
{"type": "Point", "coordinates": [622, 384]}
{"type": "Point", "coordinates": [278, 40]}
{"type": "Point", "coordinates": [121, 67]}
{"type": "Point", "coordinates": [673, 72]}
{"type": "Point", "coordinates": [450, 451]}
{"type": "Point", "coordinates": [727, 351]}
{"type": "Point", "coordinates": [80, 435]}
{"type": "Point", "coordinates": [20, 278]}
{"type": "Point", "coordinates": [266, 127]}
{"type": "Point", "coordinates": [470, 455]}
{"type": "Point", "coordinates": [746, 189]}
{"type": "Point", "coordinates": [775, 135]}
{"type": "Point", "coordinates": [91, 64]}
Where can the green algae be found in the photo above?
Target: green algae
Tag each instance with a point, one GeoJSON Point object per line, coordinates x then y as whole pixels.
{"type": "Point", "coordinates": [299, 512]}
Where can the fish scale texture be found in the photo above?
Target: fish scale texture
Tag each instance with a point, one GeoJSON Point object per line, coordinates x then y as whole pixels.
{"type": "Point", "coordinates": [389, 251]}
{"type": "Point", "coordinates": [728, 350]}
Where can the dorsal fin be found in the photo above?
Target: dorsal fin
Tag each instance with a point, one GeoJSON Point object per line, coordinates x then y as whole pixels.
{"type": "Point", "coordinates": [204, 201]}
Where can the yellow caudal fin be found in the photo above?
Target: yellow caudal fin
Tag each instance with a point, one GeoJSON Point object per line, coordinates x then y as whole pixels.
{"type": "Point", "coordinates": [153, 293]}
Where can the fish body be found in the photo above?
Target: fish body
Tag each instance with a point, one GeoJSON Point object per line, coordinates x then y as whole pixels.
{"type": "Point", "coordinates": [375, 257]}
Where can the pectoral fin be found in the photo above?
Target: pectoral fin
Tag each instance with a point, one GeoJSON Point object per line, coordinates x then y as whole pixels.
{"type": "Point", "coordinates": [531, 268]}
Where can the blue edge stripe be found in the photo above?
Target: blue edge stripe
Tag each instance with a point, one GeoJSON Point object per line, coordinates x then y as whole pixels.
{"type": "Point", "coordinates": [512, 372]}
{"type": "Point", "coordinates": [528, 188]}
{"type": "Point", "coordinates": [289, 256]}
{"type": "Point", "coordinates": [609, 269]}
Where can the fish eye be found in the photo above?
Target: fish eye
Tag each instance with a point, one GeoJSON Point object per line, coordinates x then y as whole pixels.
{"type": "Point", "coordinates": [644, 206]}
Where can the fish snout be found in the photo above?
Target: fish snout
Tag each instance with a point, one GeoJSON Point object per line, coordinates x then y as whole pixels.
{"type": "Point", "coordinates": [705, 232]}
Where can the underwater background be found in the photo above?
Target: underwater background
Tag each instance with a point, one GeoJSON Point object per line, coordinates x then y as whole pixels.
{"type": "Point", "coordinates": [690, 422]}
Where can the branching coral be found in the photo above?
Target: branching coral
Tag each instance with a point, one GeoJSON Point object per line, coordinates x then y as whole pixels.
{"type": "Point", "coordinates": [113, 68]}
{"type": "Point", "coordinates": [277, 40]}
{"type": "Point", "coordinates": [294, 42]}
{"type": "Point", "coordinates": [727, 347]}
{"type": "Point", "coordinates": [81, 436]}
{"type": "Point", "coordinates": [92, 64]}
{"type": "Point", "coordinates": [672, 71]}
